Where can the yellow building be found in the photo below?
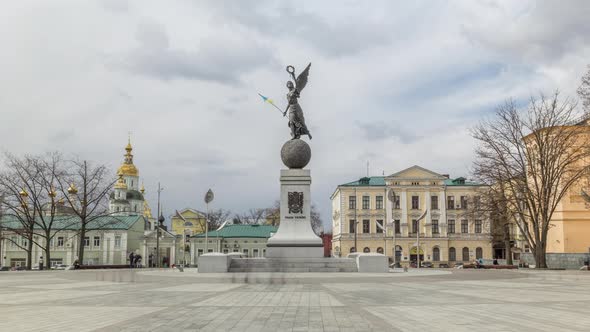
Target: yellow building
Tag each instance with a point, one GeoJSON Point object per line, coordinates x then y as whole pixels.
{"type": "Point", "coordinates": [570, 225]}
{"type": "Point", "coordinates": [188, 222]}
{"type": "Point", "coordinates": [447, 234]}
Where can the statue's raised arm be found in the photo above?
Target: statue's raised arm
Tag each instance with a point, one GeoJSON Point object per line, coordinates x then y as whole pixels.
{"type": "Point", "coordinates": [296, 119]}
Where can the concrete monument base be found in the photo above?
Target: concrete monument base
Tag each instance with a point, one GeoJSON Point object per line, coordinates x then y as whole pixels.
{"type": "Point", "coordinates": [295, 236]}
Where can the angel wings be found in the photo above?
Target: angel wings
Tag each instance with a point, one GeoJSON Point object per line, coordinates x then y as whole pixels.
{"type": "Point", "coordinates": [301, 80]}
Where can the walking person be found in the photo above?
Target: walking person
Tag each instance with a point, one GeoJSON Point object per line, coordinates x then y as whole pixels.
{"type": "Point", "coordinates": [131, 259]}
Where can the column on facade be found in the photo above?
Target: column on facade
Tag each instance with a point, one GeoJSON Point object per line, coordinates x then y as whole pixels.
{"type": "Point", "coordinates": [404, 207]}
{"type": "Point", "coordinates": [428, 218]}
{"type": "Point", "coordinates": [442, 222]}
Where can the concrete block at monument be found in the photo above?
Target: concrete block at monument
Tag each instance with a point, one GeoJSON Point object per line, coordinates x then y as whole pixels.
{"type": "Point", "coordinates": [213, 263]}
{"type": "Point", "coordinates": [295, 236]}
{"type": "Point", "coordinates": [372, 263]}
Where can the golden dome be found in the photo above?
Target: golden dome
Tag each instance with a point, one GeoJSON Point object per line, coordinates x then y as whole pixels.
{"type": "Point", "coordinates": [120, 183]}
{"type": "Point", "coordinates": [147, 212]}
{"type": "Point", "coordinates": [127, 168]}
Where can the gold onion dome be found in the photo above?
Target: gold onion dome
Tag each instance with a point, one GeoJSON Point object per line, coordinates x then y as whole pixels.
{"type": "Point", "coordinates": [127, 168]}
{"type": "Point", "coordinates": [72, 190]}
{"type": "Point", "coordinates": [120, 183]}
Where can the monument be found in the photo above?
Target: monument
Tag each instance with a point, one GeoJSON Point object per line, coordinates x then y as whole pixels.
{"type": "Point", "coordinates": [295, 247]}
{"type": "Point", "coordinates": [295, 236]}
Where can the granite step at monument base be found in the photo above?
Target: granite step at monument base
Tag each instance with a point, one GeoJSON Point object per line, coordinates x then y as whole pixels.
{"type": "Point", "coordinates": [293, 265]}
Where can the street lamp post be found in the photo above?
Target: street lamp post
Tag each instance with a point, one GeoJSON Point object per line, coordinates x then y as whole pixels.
{"type": "Point", "coordinates": [208, 199]}
{"type": "Point", "coordinates": [418, 237]}
{"type": "Point", "coordinates": [391, 197]}
{"type": "Point", "coordinates": [159, 221]}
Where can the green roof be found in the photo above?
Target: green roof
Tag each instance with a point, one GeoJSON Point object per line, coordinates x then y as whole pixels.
{"type": "Point", "coordinates": [234, 231]}
{"type": "Point", "coordinates": [70, 222]}
{"type": "Point", "coordinates": [460, 182]}
{"type": "Point", "coordinates": [373, 181]}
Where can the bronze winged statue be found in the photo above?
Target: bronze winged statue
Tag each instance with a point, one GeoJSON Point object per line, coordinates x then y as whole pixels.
{"type": "Point", "coordinates": [296, 119]}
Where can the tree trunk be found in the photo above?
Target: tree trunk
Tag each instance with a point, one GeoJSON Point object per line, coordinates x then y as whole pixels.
{"type": "Point", "coordinates": [47, 252]}
{"type": "Point", "coordinates": [540, 257]}
{"type": "Point", "coordinates": [29, 252]}
{"type": "Point", "coordinates": [81, 243]}
{"type": "Point", "coordinates": [508, 252]}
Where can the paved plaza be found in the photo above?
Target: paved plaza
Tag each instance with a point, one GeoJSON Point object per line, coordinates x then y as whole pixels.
{"type": "Point", "coordinates": [169, 300]}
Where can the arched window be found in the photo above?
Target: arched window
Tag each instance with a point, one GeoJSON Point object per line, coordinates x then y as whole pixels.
{"type": "Point", "coordinates": [132, 183]}
{"type": "Point", "coordinates": [134, 208]}
{"type": "Point", "coordinates": [352, 249]}
{"type": "Point", "coordinates": [478, 253]}
{"type": "Point", "coordinates": [366, 249]}
{"type": "Point", "coordinates": [465, 254]}
{"type": "Point", "coordinates": [435, 254]}
{"type": "Point", "coordinates": [452, 254]}
{"type": "Point", "coordinates": [380, 250]}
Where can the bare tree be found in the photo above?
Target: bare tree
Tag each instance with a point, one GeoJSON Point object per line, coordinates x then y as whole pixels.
{"type": "Point", "coordinates": [86, 188]}
{"type": "Point", "coordinates": [216, 218]}
{"type": "Point", "coordinates": [534, 156]}
{"type": "Point", "coordinates": [252, 217]}
{"type": "Point", "coordinates": [34, 207]}
{"type": "Point", "coordinates": [584, 91]}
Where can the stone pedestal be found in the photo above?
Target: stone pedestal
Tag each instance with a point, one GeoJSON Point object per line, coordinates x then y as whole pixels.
{"type": "Point", "coordinates": [295, 237]}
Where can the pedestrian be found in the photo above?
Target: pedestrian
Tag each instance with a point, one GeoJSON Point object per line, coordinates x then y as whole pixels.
{"type": "Point", "coordinates": [495, 261]}
{"type": "Point", "coordinates": [131, 259]}
{"type": "Point", "coordinates": [138, 261]}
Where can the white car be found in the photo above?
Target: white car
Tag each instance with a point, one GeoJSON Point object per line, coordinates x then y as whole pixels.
{"type": "Point", "coordinates": [61, 267]}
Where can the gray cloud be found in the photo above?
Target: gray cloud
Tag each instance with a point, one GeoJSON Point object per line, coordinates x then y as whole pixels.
{"type": "Point", "coordinates": [288, 20]}
{"type": "Point", "coordinates": [375, 131]}
{"type": "Point", "coordinates": [222, 60]}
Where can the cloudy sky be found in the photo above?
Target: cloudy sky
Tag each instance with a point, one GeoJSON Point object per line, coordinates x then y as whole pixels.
{"type": "Point", "coordinates": [392, 83]}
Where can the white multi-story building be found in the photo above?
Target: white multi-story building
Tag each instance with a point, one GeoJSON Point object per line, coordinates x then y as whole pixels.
{"type": "Point", "coordinates": [449, 233]}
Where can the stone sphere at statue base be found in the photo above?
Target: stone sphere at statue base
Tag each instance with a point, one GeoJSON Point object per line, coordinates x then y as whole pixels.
{"type": "Point", "coordinates": [295, 153]}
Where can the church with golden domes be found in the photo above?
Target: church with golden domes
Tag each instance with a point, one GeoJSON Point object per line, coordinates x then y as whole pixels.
{"type": "Point", "coordinates": [127, 198]}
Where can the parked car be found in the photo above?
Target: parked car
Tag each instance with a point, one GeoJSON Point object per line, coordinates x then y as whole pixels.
{"type": "Point", "coordinates": [61, 267]}
{"type": "Point", "coordinates": [426, 264]}
{"type": "Point", "coordinates": [443, 266]}
{"type": "Point", "coordinates": [18, 268]}
{"type": "Point", "coordinates": [4, 268]}
{"type": "Point", "coordinates": [36, 267]}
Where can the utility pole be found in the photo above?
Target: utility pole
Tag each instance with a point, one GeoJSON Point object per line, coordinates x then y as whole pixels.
{"type": "Point", "coordinates": [159, 216]}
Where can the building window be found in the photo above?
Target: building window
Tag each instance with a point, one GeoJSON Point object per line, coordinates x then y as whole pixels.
{"type": "Point", "coordinates": [351, 226]}
{"type": "Point", "coordinates": [434, 202]}
{"type": "Point", "coordinates": [415, 202]}
{"type": "Point", "coordinates": [380, 250]}
{"type": "Point", "coordinates": [464, 226]}
{"type": "Point", "coordinates": [396, 202]}
{"type": "Point", "coordinates": [366, 249]}
{"type": "Point", "coordinates": [478, 226]}
{"type": "Point", "coordinates": [210, 250]}
{"type": "Point", "coordinates": [366, 202]}
{"type": "Point", "coordinates": [352, 249]}
{"type": "Point", "coordinates": [435, 226]}
{"type": "Point", "coordinates": [117, 241]}
{"type": "Point", "coordinates": [254, 252]}
{"type": "Point", "coordinates": [13, 242]}
{"type": "Point", "coordinates": [452, 254]}
{"type": "Point", "coordinates": [476, 202]}
{"type": "Point", "coordinates": [96, 241]}
{"type": "Point", "coordinates": [366, 226]}
{"type": "Point", "coordinates": [379, 202]}
{"type": "Point", "coordinates": [478, 253]}
{"type": "Point", "coordinates": [86, 241]}
{"type": "Point", "coordinates": [415, 183]}
{"type": "Point", "coordinates": [436, 254]}
{"type": "Point", "coordinates": [396, 224]}
{"type": "Point", "coordinates": [414, 226]}
{"type": "Point", "coordinates": [225, 251]}
{"type": "Point", "coordinates": [464, 202]}
{"type": "Point", "coordinates": [199, 252]}
{"type": "Point", "coordinates": [134, 208]}
{"type": "Point", "coordinates": [60, 241]}
{"type": "Point", "coordinates": [24, 242]}
{"type": "Point", "coordinates": [527, 248]}
{"type": "Point", "coordinates": [379, 229]}
{"type": "Point", "coordinates": [352, 202]}
{"type": "Point", "coordinates": [246, 252]}
{"type": "Point", "coordinates": [451, 229]}
{"type": "Point", "coordinates": [465, 254]}
{"type": "Point", "coordinates": [450, 202]}
{"type": "Point", "coordinates": [117, 209]}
